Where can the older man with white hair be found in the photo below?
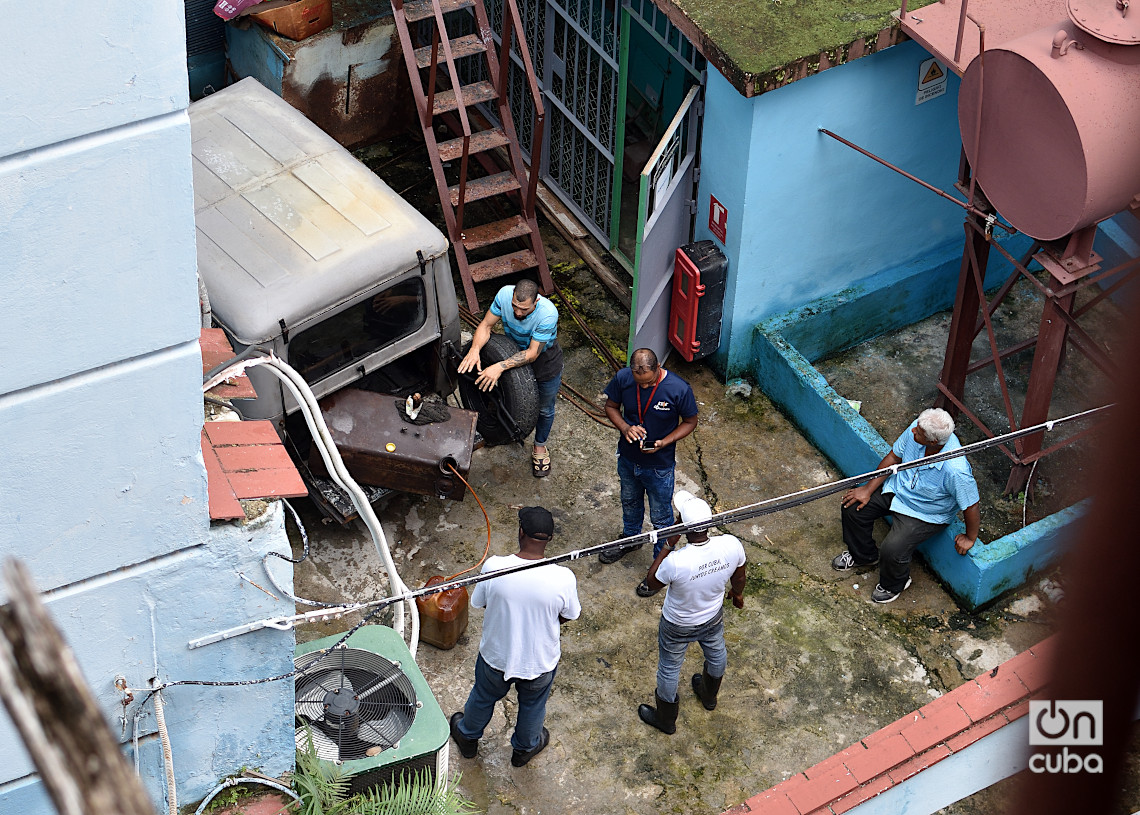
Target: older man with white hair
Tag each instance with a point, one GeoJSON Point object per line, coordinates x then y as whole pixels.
{"type": "Point", "coordinates": [922, 502]}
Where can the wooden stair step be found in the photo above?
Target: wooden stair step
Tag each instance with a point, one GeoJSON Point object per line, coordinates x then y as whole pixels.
{"type": "Point", "coordinates": [416, 10]}
{"type": "Point", "coordinates": [473, 94]}
{"type": "Point", "coordinates": [460, 47]}
{"type": "Point", "coordinates": [481, 142]}
{"type": "Point", "coordinates": [476, 237]}
{"type": "Point", "coordinates": [503, 265]}
{"type": "Point", "coordinates": [479, 188]}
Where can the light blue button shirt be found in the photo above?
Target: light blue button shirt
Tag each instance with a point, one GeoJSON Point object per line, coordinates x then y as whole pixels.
{"type": "Point", "coordinates": [933, 493]}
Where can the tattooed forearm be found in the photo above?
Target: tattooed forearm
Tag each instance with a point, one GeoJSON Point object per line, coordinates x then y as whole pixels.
{"type": "Point", "coordinates": [516, 361]}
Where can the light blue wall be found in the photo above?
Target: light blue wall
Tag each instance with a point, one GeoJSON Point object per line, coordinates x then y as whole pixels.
{"type": "Point", "coordinates": [102, 486]}
{"type": "Point", "coordinates": [810, 217]}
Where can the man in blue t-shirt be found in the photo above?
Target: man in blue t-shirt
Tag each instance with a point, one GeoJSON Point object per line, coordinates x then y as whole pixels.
{"type": "Point", "coordinates": [531, 321]}
{"type": "Point", "coordinates": [922, 501]}
{"type": "Point", "coordinates": [652, 409]}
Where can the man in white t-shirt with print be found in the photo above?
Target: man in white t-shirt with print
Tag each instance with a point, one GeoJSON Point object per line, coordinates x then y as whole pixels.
{"type": "Point", "coordinates": [520, 645]}
{"type": "Point", "coordinates": [694, 578]}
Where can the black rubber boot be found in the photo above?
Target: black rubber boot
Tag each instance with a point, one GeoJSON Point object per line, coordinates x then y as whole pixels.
{"type": "Point", "coordinates": [706, 688]}
{"type": "Point", "coordinates": [663, 717]}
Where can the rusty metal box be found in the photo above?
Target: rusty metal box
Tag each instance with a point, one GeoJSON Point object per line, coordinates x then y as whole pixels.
{"type": "Point", "coordinates": [382, 449]}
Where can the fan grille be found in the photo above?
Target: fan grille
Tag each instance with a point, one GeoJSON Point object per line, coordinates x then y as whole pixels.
{"type": "Point", "coordinates": [354, 702]}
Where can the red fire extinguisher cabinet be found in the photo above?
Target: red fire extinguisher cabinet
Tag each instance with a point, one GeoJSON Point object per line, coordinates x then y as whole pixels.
{"type": "Point", "coordinates": [699, 273]}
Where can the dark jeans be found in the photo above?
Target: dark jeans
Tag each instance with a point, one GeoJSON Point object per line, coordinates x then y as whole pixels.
{"type": "Point", "coordinates": [898, 546]}
{"type": "Point", "coordinates": [547, 399]}
{"type": "Point", "coordinates": [491, 686]}
{"type": "Point", "coordinates": [637, 484]}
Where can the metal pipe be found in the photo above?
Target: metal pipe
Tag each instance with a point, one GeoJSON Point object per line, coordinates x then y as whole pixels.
{"type": "Point", "coordinates": [903, 173]}
{"type": "Point", "coordinates": [961, 31]}
{"type": "Point", "coordinates": [981, 88]}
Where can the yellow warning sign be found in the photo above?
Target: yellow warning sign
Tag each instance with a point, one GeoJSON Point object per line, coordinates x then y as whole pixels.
{"type": "Point", "coordinates": [932, 80]}
{"type": "Point", "coordinates": [934, 72]}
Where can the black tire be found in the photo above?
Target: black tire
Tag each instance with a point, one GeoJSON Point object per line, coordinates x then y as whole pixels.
{"type": "Point", "coordinates": [517, 390]}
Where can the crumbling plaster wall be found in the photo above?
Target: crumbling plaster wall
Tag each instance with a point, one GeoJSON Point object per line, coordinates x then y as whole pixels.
{"type": "Point", "coordinates": [102, 486]}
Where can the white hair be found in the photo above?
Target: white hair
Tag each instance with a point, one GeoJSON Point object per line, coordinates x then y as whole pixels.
{"type": "Point", "coordinates": [936, 424]}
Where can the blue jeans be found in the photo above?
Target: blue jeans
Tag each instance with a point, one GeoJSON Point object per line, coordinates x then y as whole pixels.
{"type": "Point", "coordinates": [490, 686]}
{"type": "Point", "coordinates": [547, 398]}
{"type": "Point", "coordinates": [673, 641]}
{"type": "Point", "coordinates": [637, 482]}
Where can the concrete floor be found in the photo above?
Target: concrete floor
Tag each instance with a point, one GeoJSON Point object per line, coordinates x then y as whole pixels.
{"type": "Point", "coordinates": [813, 665]}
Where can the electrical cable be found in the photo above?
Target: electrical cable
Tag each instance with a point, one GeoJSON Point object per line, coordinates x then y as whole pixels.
{"type": "Point", "coordinates": [245, 779]}
{"type": "Point", "coordinates": [748, 512]}
{"type": "Point", "coordinates": [486, 517]}
{"type": "Point", "coordinates": [167, 755]}
{"type": "Point", "coordinates": [304, 554]}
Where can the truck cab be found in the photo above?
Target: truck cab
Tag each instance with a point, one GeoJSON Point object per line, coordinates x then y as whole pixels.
{"type": "Point", "coordinates": [305, 252]}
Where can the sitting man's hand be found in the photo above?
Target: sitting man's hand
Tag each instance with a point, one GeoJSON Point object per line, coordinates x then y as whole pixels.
{"type": "Point", "coordinates": [858, 496]}
{"type": "Point", "coordinates": [962, 544]}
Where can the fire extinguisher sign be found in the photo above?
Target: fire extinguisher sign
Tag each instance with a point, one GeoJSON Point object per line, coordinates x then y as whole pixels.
{"type": "Point", "coordinates": [718, 218]}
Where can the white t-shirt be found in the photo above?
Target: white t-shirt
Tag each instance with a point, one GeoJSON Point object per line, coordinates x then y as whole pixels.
{"type": "Point", "coordinates": [695, 577]}
{"type": "Point", "coordinates": [520, 625]}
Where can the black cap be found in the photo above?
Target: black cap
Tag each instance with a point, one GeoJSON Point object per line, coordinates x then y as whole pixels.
{"type": "Point", "coordinates": [536, 522]}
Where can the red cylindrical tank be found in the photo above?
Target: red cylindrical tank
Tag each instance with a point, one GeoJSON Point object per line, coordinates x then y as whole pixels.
{"type": "Point", "coordinates": [1059, 143]}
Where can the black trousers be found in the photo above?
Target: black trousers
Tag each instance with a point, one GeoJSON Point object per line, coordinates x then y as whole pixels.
{"type": "Point", "coordinates": [898, 546]}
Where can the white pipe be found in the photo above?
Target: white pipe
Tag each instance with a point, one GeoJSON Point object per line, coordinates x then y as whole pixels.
{"type": "Point", "coordinates": [339, 473]}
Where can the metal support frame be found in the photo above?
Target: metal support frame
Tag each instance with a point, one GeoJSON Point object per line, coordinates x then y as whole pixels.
{"type": "Point", "coordinates": [1072, 266]}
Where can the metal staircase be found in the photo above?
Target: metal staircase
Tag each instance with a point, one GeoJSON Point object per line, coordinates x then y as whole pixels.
{"type": "Point", "coordinates": [442, 99]}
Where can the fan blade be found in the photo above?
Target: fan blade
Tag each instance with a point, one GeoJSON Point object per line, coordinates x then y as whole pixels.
{"type": "Point", "coordinates": [376, 684]}
{"type": "Point", "coordinates": [324, 746]}
{"type": "Point", "coordinates": [375, 733]}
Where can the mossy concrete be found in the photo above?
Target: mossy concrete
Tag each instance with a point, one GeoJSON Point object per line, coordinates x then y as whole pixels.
{"type": "Point", "coordinates": [763, 44]}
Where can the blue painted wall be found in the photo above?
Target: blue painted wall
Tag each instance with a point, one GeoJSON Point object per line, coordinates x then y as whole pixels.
{"type": "Point", "coordinates": [810, 217]}
{"type": "Point", "coordinates": [102, 486]}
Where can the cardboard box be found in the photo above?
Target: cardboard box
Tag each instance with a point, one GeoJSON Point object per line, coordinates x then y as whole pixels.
{"type": "Point", "coordinates": [294, 19]}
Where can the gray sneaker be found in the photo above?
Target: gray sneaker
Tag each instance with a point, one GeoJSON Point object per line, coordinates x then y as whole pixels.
{"type": "Point", "coordinates": [881, 595]}
{"type": "Point", "coordinates": [843, 562]}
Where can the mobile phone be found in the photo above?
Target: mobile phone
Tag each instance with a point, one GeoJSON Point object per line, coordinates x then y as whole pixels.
{"type": "Point", "coordinates": [646, 444]}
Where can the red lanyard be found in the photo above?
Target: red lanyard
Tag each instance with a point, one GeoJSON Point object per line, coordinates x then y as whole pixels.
{"type": "Point", "coordinates": [637, 394]}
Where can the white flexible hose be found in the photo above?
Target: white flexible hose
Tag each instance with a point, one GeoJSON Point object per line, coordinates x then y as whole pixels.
{"type": "Point", "coordinates": [339, 473]}
{"type": "Point", "coordinates": [167, 756]}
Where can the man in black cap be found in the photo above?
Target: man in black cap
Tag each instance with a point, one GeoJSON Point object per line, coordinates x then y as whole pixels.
{"type": "Point", "coordinates": [520, 644]}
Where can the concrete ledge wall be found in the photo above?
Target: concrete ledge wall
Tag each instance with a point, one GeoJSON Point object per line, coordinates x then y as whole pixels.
{"type": "Point", "coordinates": [783, 370]}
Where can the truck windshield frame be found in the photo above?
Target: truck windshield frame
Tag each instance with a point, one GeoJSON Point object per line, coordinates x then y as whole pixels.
{"type": "Point", "coordinates": [360, 330]}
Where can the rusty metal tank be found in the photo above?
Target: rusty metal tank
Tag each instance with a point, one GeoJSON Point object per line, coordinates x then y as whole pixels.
{"type": "Point", "coordinates": [1057, 147]}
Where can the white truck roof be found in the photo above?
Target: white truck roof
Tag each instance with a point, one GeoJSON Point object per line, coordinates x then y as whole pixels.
{"type": "Point", "coordinates": [289, 223]}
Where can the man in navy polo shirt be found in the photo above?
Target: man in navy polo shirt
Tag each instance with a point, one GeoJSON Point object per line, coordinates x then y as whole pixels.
{"type": "Point", "coordinates": [652, 409]}
{"type": "Point", "coordinates": [531, 321]}
{"type": "Point", "coordinates": [922, 502]}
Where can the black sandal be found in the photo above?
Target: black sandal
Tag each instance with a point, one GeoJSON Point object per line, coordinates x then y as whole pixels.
{"type": "Point", "coordinates": [540, 465]}
{"type": "Point", "coordinates": [643, 589]}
